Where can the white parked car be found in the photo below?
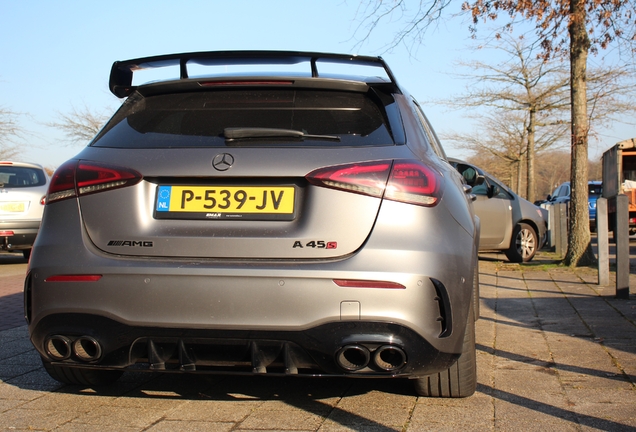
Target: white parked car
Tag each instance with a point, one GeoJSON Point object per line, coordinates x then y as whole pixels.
{"type": "Point", "coordinates": [23, 189]}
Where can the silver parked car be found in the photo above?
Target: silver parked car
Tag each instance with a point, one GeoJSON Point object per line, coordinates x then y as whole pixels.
{"type": "Point", "coordinates": [291, 223]}
{"type": "Point", "coordinates": [23, 188]}
{"type": "Point", "coordinates": [509, 223]}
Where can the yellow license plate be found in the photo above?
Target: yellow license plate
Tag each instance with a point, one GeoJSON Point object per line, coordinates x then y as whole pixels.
{"type": "Point", "coordinates": [12, 207]}
{"type": "Point", "coordinates": [225, 202]}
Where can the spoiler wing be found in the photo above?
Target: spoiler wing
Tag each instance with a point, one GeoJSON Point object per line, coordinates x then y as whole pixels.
{"type": "Point", "coordinates": [121, 74]}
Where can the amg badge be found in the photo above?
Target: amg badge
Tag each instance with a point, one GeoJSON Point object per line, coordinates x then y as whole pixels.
{"type": "Point", "coordinates": [132, 243]}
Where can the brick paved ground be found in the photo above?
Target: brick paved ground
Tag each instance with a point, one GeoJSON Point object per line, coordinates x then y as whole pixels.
{"type": "Point", "coordinates": [554, 351]}
{"type": "Point", "coordinates": [11, 286]}
{"type": "Point", "coordinates": [11, 302]}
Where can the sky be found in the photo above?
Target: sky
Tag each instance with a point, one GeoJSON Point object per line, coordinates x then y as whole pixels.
{"type": "Point", "coordinates": [57, 55]}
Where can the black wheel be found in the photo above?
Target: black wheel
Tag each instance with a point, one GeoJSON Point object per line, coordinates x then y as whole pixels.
{"type": "Point", "coordinates": [458, 381]}
{"type": "Point", "coordinates": [523, 245]}
{"type": "Point", "coordinates": [476, 310]}
{"type": "Point", "coordinates": [88, 377]}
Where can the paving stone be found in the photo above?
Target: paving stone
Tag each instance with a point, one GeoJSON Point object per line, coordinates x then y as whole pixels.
{"type": "Point", "coordinates": [554, 352]}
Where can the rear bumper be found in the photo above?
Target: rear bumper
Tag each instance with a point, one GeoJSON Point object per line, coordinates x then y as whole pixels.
{"type": "Point", "coordinates": [370, 349]}
{"type": "Point", "coordinates": [273, 315]}
{"type": "Point", "coordinates": [22, 237]}
{"type": "Point", "coordinates": [249, 321]}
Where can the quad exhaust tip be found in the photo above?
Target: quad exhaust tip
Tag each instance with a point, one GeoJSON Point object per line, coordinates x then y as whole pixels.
{"type": "Point", "coordinates": [85, 348]}
{"type": "Point", "coordinates": [58, 347]}
{"type": "Point", "coordinates": [355, 357]}
{"type": "Point", "coordinates": [389, 357]}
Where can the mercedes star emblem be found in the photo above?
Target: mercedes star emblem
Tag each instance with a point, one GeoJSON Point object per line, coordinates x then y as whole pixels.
{"type": "Point", "coordinates": [223, 161]}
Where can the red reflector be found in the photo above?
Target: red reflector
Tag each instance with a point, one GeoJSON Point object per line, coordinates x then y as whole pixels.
{"type": "Point", "coordinates": [356, 283]}
{"type": "Point", "coordinates": [243, 83]}
{"type": "Point", "coordinates": [6, 163]}
{"type": "Point", "coordinates": [73, 278]}
{"type": "Point", "coordinates": [6, 233]}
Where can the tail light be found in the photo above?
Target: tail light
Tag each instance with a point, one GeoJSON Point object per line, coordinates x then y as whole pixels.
{"type": "Point", "coordinates": [79, 178]}
{"type": "Point", "coordinates": [407, 181]}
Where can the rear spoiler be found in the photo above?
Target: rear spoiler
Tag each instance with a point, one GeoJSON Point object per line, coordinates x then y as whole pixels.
{"type": "Point", "coordinates": [121, 74]}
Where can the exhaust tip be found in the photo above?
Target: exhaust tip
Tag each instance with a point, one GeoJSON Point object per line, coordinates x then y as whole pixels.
{"type": "Point", "coordinates": [389, 358]}
{"type": "Point", "coordinates": [87, 348]}
{"type": "Point", "coordinates": [58, 347]}
{"type": "Point", "coordinates": [353, 357]}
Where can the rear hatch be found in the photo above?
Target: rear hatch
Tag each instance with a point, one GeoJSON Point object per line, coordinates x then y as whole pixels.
{"type": "Point", "coordinates": [274, 173]}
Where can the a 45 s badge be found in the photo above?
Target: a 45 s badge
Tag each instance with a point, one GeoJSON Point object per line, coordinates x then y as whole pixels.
{"type": "Point", "coordinates": [317, 244]}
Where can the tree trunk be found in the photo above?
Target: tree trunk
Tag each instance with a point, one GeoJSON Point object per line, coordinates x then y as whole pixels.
{"type": "Point", "coordinates": [579, 247]}
{"type": "Point", "coordinates": [530, 161]}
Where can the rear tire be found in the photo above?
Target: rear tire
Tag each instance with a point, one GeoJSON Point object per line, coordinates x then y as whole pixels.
{"type": "Point", "coordinates": [26, 253]}
{"type": "Point", "coordinates": [80, 376]}
{"type": "Point", "coordinates": [523, 245]}
{"type": "Point", "coordinates": [458, 381]}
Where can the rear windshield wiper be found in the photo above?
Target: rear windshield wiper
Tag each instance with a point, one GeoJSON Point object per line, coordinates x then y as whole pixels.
{"type": "Point", "coordinates": [245, 133]}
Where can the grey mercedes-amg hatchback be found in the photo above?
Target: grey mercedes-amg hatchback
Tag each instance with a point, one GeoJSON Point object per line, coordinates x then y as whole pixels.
{"type": "Point", "coordinates": [235, 220]}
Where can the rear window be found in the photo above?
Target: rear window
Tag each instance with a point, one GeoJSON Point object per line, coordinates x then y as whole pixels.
{"type": "Point", "coordinates": [199, 119]}
{"type": "Point", "coordinates": [17, 177]}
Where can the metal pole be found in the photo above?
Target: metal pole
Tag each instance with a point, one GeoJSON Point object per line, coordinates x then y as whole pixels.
{"type": "Point", "coordinates": [552, 226]}
{"type": "Point", "coordinates": [562, 221]}
{"type": "Point", "coordinates": [602, 241]}
{"type": "Point", "coordinates": [622, 247]}
{"type": "Point", "coordinates": [556, 228]}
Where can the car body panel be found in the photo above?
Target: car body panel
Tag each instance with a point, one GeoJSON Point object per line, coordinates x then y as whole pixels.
{"type": "Point", "coordinates": [500, 212]}
{"type": "Point", "coordinates": [496, 218]}
{"type": "Point", "coordinates": [351, 267]}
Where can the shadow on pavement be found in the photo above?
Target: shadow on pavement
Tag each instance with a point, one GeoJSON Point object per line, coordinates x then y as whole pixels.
{"type": "Point", "coordinates": [7, 258]}
{"type": "Point", "coordinates": [551, 410]}
{"type": "Point", "coordinates": [561, 366]}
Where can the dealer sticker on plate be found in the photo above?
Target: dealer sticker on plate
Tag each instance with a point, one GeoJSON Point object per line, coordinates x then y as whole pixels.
{"type": "Point", "coordinates": [225, 202]}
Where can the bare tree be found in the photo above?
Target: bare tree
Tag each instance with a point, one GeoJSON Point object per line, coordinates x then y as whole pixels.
{"type": "Point", "coordinates": [500, 135]}
{"type": "Point", "coordinates": [576, 27]}
{"type": "Point", "coordinates": [521, 83]}
{"type": "Point", "coordinates": [611, 93]}
{"type": "Point", "coordinates": [570, 27]}
{"type": "Point", "coordinates": [540, 89]}
{"type": "Point", "coordinates": [553, 168]}
{"type": "Point", "coordinates": [10, 130]}
{"type": "Point", "coordinates": [504, 134]}
{"type": "Point", "coordinates": [80, 125]}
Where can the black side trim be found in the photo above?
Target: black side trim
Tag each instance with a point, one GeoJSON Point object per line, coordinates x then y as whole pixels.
{"type": "Point", "coordinates": [446, 317]}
